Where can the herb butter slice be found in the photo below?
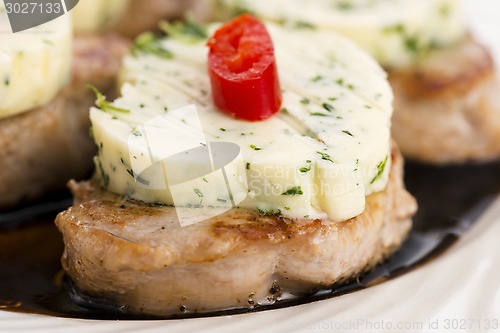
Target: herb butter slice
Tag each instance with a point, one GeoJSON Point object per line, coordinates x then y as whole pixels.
{"type": "Point", "coordinates": [325, 151]}
{"type": "Point", "coordinates": [395, 32]}
{"type": "Point", "coordinates": [35, 64]}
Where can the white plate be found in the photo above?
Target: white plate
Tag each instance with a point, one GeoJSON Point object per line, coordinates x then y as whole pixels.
{"type": "Point", "coordinates": [457, 292]}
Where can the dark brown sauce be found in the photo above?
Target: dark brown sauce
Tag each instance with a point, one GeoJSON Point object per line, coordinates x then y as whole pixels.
{"type": "Point", "coordinates": [451, 199]}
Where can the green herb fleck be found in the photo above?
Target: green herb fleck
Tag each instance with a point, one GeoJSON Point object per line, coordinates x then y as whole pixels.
{"type": "Point", "coordinates": [444, 11]}
{"type": "Point", "coordinates": [240, 9]}
{"type": "Point", "coordinates": [198, 193]}
{"type": "Point", "coordinates": [222, 129]}
{"type": "Point", "coordinates": [104, 175]}
{"type": "Point", "coordinates": [268, 212]}
{"type": "Point", "coordinates": [6, 81]}
{"type": "Point", "coordinates": [344, 5]}
{"type": "Point", "coordinates": [135, 132]}
{"type": "Point", "coordinates": [205, 180]}
{"type": "Point", "coordinates": [317, 78]}
{"type": "Point", "coordinates": [305, 101]}
{"type": "Point", "coordinates": [396, 28]}
{"type": "Point", "coordinates": [287, 208]}
{"type": "Point", "coordinates": [101, 102]}
{"type": "Point", "coordinates": [248, 166]}
{"type": "Point", "coordinates": [380, 168]}
{"type": "Point", "coordinates": [148, 43]}
{"type": "Point", "coordinates": [319, 114]}
{"type": "Point", "coordinates": [328, 107]}
{"type": "Point", "coordinates": [254, 147]}
{"type": "Point", "coordinates": [305, 169]}
{"type": "Point", "coordinates": [304, 25]}
{"type": "Point", "coordinates": [412, 44]}
{"type": "Point", "coordinates": [325, 156]}
{"type": "Point", "coordinates": [285, 111]}
{"type": "Point", "coordinates": [348, 133]}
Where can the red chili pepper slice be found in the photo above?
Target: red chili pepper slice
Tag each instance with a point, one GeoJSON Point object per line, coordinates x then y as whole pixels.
{"type": "Point", "coordinates": [243, 71]}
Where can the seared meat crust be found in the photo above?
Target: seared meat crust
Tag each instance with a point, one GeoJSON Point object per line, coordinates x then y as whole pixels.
{"type": "Point", "coordinates": [138, 257]}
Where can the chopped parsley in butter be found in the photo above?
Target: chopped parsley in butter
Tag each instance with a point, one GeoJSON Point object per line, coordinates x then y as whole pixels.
{"type": "Point", "coordinates": [320, 158]}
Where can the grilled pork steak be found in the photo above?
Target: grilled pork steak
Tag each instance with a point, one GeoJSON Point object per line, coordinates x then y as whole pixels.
{"type": "Point", "coordinates": [447, 108]}
{"type": "Point", "coordinates": [139, 258]}
{"type": "Point", "coordinates": [40, 150]}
